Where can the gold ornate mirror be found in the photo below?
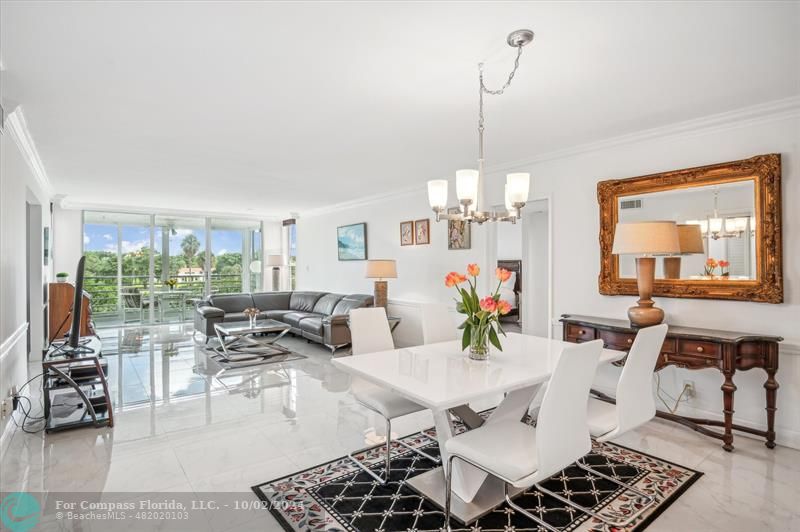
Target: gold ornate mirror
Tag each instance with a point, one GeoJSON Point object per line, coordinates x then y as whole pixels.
{"type": "Point", "coordinates": [729, 227]}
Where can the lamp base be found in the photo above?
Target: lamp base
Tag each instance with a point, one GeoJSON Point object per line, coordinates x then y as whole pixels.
{"type": "Point", "coordinates": [645, 313]}
{"type": "Point", "coordinates": [645, 316]}
{"type": "Point", "coordinates": [672, 267]}
{"type": "Point", "coordinates": [381, 293]}
{"type": "Point", "coordinates": [276, 279]}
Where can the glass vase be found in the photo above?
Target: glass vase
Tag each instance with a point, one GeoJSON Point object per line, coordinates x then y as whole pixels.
{"type": "Point", "coordinates": [252, 321]}
{"type": "Point", "coordinates": [479, 343]}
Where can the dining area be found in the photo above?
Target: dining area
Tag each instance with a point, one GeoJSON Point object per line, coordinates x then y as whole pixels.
{"type": "Point", "coordinates": [486, 459]}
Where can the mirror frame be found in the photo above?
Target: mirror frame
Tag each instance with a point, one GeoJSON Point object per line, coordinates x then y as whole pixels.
{"type": "Point", "coordinates": [767, 287]}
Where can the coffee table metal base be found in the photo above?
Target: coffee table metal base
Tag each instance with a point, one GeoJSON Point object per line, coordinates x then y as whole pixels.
{"type": "Point", "coordinates": [244, 347]}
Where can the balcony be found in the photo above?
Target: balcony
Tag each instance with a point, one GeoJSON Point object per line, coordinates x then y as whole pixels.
{"type": "Point", "coordinates": [107, 305]}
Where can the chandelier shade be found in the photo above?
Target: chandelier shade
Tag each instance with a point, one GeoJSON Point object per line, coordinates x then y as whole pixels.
{"type": "Point", "coordinates": [437, 193]}
{"type": "Point", "coordinates": [518, 186]}
{"type": "Point", "coordinates": [467, 187]}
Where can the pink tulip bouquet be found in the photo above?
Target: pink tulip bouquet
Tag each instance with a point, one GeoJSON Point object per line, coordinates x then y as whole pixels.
{"type": "Point", "coordinates": [483, 315]}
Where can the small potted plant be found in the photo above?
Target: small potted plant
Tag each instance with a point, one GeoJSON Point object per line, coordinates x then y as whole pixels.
{"type": "Point", "coordinates": [252, 314]}
{"type": "Point", "coordinates": [171, 283]}
{"type": "Point", "coordinates": [61, 277]}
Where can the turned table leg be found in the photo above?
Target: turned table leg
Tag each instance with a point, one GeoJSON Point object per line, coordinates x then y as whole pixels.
{"type": "Point", "coordinates": [728, 388]}
{"type": "Point", "coordinates": [772, 388]}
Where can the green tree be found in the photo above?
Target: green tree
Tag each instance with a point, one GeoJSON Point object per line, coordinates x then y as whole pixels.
{"type": "Point", "coordinates": [190, 245]}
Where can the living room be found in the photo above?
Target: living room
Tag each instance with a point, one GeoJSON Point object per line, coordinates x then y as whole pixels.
{"type": "Point", "coordinates": [309, 266]}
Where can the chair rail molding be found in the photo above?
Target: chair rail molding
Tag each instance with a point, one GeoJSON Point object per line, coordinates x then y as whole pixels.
{"type": "Point", "coordinates": [12, 339]}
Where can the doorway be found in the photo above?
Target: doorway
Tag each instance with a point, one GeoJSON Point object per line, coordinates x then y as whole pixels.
{"type": "Point", "coordinates": [34, 276]}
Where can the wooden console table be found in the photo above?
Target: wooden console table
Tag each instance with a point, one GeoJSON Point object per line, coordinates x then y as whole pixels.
{"type": "Point", "coordinates": [691, 348]}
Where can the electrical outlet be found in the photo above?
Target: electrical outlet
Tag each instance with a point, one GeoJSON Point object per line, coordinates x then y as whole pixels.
{"type": "Point", "coordinates": [4, 408]}
{"type": "Point", "coordinates": [689, 388]}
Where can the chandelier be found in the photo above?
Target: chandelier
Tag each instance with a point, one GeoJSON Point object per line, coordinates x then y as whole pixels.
{"type": "Point", "coordinates": [468, 181]}
{"type": "Point", "coordinates": [717, 227]}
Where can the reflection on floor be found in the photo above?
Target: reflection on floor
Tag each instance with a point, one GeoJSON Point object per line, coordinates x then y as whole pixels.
{"type": "Point", "coordinates": [181, 425]}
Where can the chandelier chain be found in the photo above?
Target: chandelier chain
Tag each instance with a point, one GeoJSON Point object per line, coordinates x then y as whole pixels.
{"type": "Point", "coordinates": [484, 89]}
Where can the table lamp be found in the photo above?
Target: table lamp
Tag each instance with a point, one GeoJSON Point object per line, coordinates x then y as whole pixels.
{"type": "Point", "coordinates": [380, 270]}
{"type": "Point", "coordinates": [276, 261]}
{"type": "Point", "coordinates": [645, 239]}
{"type": "Point", "coordinates": [690, 240]}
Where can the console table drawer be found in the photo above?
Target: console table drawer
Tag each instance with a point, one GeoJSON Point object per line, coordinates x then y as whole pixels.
{"type": "Point", "coordinates": [617, 340]}
{"type": "Point", "coordinates": [699, 348]}
{"type": "Point", "coordinates": [579, 332]}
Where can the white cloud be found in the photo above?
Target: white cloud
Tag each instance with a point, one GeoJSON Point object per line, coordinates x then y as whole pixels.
{"type": "Point", "coordinates": [86, 239]}
{"type": "Point", "coordinates": [108, 236]}
{"type": "Point", "coordinates": [183, 232]}
{"type": "Point", "coordinates": [128, 247]}
{"type": "Point", "coordinates": [222, 251]}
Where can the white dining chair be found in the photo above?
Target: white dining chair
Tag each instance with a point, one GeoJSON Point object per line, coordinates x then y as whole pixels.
{"type": "Point", "coordinates": [635, 406]}
{"type": "Point", "coordinates": [370, 333]}
{"type": "Point", "coordinates": [437, 324]}
{"type": "Point", "coordinates": [533, 454]}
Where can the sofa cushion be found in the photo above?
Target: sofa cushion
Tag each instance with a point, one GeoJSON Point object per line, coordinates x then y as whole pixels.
{"type": "Point", "coordinates": [210, 312]}
{"type": "Point", "coordinates": [272, 300]}
{"type": "Point", "coordinates": [235, 316]}
{"type": "Point", "coordinates": [293, 318]}
{"type": "Point", "coordinates": [231, 302]}
{"type": "Point", "coordinates": [327, 303]}
{"type": "Point", "coordinates": [353, 301]}
{"type": "Point", "coordinates": [312, 325]}
{"type": "Point", "coordinates": [304, 301]}
{"type": "Point", "coordinates": [274, 314]}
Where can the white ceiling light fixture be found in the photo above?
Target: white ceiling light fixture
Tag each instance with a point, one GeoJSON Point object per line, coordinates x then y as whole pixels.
{"type": "Point", "coordinates": [468, 181]}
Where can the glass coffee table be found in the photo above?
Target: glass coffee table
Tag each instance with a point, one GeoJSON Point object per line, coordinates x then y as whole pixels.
{"type": "Point", "coordinates": [238, 340]}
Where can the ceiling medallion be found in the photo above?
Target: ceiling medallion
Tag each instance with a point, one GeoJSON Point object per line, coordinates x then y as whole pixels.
{"type": "Point", "coordinates": [468, 181]}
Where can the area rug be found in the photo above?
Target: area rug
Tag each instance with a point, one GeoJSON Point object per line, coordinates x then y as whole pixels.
{"type": "Point", "coordinates": [337, 495]}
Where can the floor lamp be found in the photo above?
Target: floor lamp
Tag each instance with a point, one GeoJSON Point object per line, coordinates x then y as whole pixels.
{"type": "Point", "coordinates": [275, 262]}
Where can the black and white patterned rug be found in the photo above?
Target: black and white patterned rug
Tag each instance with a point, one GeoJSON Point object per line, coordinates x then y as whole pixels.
{"type": "Point", "coordinates": [338, 495]}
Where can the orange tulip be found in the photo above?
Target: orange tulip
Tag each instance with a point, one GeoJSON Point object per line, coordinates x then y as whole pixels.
{"type": "Point", "coordinates": [453, 279]}
{"type": "Point", "coordinates": [473, 270]}
{"type": "Point", "coordinates": [502, 274]}
{"type": "Point", "coordinates": [724, 264]}
{"type": "Point", "coordinates": [488, 304]}
{"type": "Point", "coordinates": [503, 306]}
{"type": "Point", "coordinates": [711, 263]}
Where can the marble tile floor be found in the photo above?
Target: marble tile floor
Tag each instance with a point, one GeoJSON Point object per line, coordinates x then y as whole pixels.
{"type": "Point", "coordinates": [182, 427]}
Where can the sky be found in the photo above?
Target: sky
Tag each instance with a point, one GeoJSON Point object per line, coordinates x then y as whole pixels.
{"type": "Point", "coordinates": [98, 237]}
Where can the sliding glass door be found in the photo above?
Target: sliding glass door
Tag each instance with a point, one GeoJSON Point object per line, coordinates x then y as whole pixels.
{"type": "Point", "coordinates": [144, 268]}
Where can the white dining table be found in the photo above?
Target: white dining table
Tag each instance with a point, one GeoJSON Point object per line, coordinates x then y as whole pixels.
{"type": "Point", "coordinates": [441, 377]}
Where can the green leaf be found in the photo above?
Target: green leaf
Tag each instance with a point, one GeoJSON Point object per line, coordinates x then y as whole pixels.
{"type": "Point", "coordinates": [465, 323]}
{"type": "Point", "coordinates": [465, 338]}
{"type": "Point", "coordinates": [494, 339]}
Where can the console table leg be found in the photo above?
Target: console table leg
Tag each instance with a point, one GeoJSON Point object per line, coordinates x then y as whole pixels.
{"type": "Point", "coordinates": [772, 388]}
{"type": "Point", "coordinates": [728, 388]}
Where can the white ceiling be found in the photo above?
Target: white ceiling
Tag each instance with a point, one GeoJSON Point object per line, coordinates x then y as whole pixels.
{"type": "Point", "coordinates": [277, 107]}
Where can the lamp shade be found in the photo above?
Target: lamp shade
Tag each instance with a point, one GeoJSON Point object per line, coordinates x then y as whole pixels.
{"type": "Point", "coordinates": [381, 269]}
{"type": "Point", "coordinates": [518, 186]}
{"type": "Point", "coordinates": [690, 239]}
{"type": "Point", "coordinates": [634, 238]}
{"type": "Point", "coordinates": [467, 185]}
{"type": "Point", "coordinates": [437, 193]}
{"type": "Point", "coordinates": [275, 260]}
{"type": "Point", "coordinates": [509, 203]}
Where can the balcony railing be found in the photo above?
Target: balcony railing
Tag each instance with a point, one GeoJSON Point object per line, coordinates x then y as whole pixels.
{"type": "Point", "coordinates": [105, 292]}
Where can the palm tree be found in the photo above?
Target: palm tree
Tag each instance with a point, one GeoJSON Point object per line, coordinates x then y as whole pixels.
{"type": "Point", "coordinates": [190, 245]}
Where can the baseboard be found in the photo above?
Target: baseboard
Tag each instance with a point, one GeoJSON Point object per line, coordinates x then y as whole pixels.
{"type": "Point", "coordinates": [783, 436]}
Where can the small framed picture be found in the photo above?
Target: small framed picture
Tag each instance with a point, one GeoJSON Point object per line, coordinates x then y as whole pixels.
{"type": "Point", "coordinates": [352, 241]}
{"type": "Point", "coordinates": [406, 233]}
{"type": "Point", "coordinates": [422, 231]}
{"type": "Point", "coordinates": [458, 232]}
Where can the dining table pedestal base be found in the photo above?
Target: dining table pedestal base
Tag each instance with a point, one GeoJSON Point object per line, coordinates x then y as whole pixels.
{"type": "Point", "coordinates": [431, 485]}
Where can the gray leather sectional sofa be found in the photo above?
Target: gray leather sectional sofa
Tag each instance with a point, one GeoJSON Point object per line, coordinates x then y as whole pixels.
{"type": "Point", "coordinates": [318, 316]}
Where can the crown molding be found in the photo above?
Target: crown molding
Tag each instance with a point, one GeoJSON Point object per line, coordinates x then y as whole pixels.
{"type": "Point", "coordinates": [365, 200]}
{"type": "Point", "coordinates": [66, 203]}
{"type": "Point", "coordinates": [16, 124]}
{"type": "Point", "coordinates": [755, 114]}
{"type": "Point", "coordinates": [746, 116]}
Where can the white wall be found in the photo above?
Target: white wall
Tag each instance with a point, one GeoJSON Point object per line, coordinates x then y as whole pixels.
{"type": "Point", "coordinates": [67, 239]}
{"type": "Point", "coordinates": [571, 181]}
{"type": "Point", "coordinates": [420, 268]}
{"type": "Point", "coordinates": [17, 185]}
{"type": "Point", "coordinates": [509, 241]}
